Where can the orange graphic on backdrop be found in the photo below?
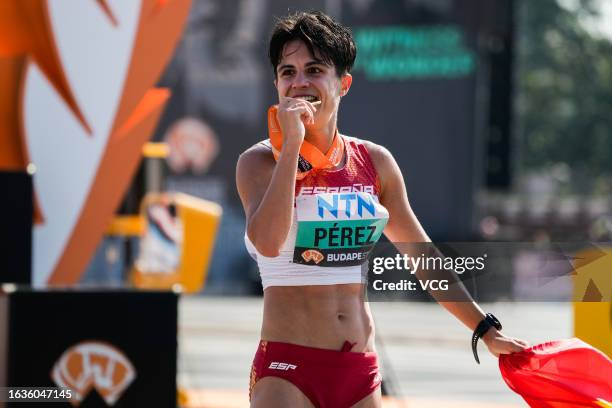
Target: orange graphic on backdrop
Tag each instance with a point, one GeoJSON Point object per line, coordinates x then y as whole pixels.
{"type": "Point", "coordinates": [26, 36]}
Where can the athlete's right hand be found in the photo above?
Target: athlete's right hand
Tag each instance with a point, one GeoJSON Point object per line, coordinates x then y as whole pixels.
{"type": "Point", "coordinates": [293, 115]}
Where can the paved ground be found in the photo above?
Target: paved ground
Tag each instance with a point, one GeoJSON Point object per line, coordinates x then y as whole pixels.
{"type": "Point", "coordinates": [425, 353]}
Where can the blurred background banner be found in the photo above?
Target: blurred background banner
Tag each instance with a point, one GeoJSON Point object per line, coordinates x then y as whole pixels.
{"type": "Point", "coordinates": [80, 104]}
{"type": "Point", "coordinates": [423, 88]}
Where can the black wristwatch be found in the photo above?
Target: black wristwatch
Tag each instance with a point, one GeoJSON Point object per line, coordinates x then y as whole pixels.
{"type": "Point", "coordinates": [484, 325]}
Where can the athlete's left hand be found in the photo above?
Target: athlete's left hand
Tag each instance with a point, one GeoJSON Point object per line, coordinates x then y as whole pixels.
{"type": "Point", "coordinates": [498, 343]}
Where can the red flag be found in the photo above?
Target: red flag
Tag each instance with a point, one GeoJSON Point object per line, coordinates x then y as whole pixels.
{"type": "Point", "coordinates": [560, 374]}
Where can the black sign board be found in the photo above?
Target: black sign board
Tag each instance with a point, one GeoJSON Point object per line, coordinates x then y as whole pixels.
{"type": "Point", "coordinates": [114, 348]}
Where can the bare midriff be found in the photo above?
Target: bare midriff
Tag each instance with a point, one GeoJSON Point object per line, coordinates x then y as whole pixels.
{"type": "Point", "coordinates": [322, 316]}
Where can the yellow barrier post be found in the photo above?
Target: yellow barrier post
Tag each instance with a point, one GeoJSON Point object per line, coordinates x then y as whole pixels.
{"type": "Point", "coordinates": [198, 222]}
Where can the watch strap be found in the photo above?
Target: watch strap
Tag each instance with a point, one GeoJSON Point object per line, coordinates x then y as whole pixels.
{"type": "Point", "coordinates": [485, 324]}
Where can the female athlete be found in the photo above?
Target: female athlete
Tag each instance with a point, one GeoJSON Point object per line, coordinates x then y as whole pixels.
{"type": "Point", "coordinates": [309, 230]}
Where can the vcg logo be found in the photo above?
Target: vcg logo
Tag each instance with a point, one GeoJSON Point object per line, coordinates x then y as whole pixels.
{"type": "Point", "coordinates": [333, 203]}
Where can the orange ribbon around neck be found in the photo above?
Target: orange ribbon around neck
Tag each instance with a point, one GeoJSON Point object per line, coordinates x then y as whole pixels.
{"type": "Point", "coordinates": [310, 156]}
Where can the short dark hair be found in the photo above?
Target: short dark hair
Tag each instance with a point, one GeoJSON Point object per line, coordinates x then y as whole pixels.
{"type": "Point", "coordinates": [333, 41]}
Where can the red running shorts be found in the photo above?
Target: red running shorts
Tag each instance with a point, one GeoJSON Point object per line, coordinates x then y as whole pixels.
{"type": "Point", "coordinates": [329, 378]}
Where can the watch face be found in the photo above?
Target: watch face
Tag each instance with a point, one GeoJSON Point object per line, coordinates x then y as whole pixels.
{"type": "Point", "coordinates": [494, 321]}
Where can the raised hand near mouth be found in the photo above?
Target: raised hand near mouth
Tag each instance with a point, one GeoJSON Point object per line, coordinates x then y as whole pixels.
{"type": "Point", "coordinates": [293, 114]}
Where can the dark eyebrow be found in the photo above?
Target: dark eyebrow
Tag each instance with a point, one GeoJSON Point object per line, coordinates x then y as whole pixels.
{"type": "Point", "coordinates": [308, 64]}
{"type": "Point", "coordinates": [315, 62]}
{"type": "Point", "coordinates": [280, 68]}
